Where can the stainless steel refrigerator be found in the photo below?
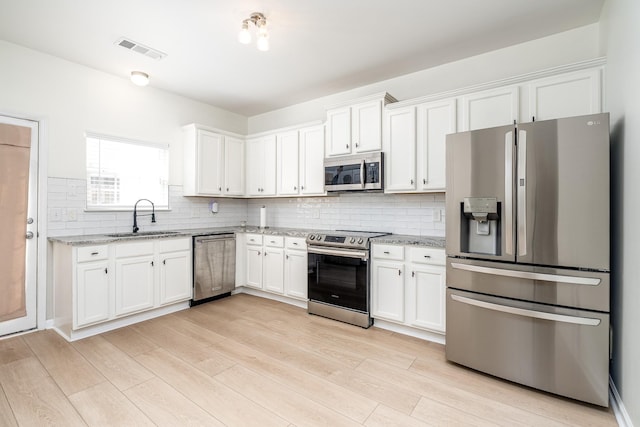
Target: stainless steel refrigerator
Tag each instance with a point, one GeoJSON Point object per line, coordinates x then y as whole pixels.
{"type": "Point", "coordinates": [528, 254]}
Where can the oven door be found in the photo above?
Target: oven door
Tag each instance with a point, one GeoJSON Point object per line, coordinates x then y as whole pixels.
{"type": "Point", "coordinates": [339, 277]}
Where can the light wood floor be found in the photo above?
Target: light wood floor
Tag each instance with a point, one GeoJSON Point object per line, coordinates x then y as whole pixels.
{"type": "Point", "coordinates": [248, 361]}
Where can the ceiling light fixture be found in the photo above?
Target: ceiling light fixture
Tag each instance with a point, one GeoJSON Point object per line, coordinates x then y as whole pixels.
{"type": "Point", "coordinates": [260, 22]}
{"type": "Point", "coordinates": [139, 78]}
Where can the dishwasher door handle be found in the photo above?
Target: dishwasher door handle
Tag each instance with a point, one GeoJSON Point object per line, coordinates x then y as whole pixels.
{"type": "Point", "coordinates": [213, 238]}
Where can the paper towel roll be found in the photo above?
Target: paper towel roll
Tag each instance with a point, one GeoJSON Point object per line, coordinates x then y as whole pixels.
{"type": "Point", "coordinates": [263, 217]}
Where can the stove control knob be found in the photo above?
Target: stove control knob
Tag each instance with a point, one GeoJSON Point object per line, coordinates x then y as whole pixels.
{"type": "Point", "coordinates": [353, 240]}
{"type": "Point", "coordinates": [360, 241]}
{"type": "Point", "coordinates": [318, 237]}
{"type": "Point", "coordinates": [312, 237]}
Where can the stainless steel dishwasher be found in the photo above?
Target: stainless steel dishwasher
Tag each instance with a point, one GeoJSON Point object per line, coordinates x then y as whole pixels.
{"type": "Point", "coordinates": [214, 267]}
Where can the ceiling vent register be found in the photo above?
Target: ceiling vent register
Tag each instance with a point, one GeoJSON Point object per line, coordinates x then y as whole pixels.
{"type": "Point", "coordinates": [140, 48]}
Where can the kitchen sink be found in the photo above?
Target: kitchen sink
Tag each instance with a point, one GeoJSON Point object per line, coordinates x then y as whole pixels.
{"type": "Point", "coordinates": [143, 233]}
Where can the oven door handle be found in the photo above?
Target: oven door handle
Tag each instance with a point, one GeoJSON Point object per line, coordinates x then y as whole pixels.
{"type": "Point", "coordinates": [363, 255]}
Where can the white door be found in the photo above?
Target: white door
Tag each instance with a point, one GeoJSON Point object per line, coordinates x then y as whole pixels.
{"type": "Point", "coordinates": [366, 123]}
{"type": "Point", "coordinates": [295, 274]}
{"type": "Point", "coordinates": [210, 160]}
{"type": "Point", "coordinates": [312, 160]}
{"type": "Point", "coordinates": [19, 219]}
{"type": "Point", "coordinates": [233, 166]}
{"type": "Point", "coordinates": [387, 291]}
{"type": "Point", "coordinates": [401, 148]}
{"type": "Point", "coordinates": [288, 163]}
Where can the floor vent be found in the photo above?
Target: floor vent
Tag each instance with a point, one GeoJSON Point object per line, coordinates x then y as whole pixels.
{"type": "Point", "coordinates": [140, 48]}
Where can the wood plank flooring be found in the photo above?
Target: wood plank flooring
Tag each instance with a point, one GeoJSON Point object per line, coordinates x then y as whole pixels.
{"type": "Point", "coordinates": [248, 361]}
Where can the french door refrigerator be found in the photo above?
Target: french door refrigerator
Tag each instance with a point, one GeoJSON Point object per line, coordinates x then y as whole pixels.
{"type": "Point", "coordinates": [527, 230]}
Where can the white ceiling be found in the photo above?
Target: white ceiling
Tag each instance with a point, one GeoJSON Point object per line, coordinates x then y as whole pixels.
{"type": "Point", "coordinates": [318, 47]}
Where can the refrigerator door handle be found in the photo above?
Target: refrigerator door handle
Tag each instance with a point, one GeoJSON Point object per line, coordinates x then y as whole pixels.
{"type": "Point", "coordinates": [508, 192]}
{"type": "Point", "coordinates": [527, 313]}
{"type": "Point", "coordinates": [522, 193]}
{"type": "Point", "coordinates": [571, 280]}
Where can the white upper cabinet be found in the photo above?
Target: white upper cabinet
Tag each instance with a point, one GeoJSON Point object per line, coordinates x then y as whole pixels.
{"type": "Point", "coordinates": [312, 161]}
{"type": "Point", "coordinates": [234, 166]}
{"type": "Point", "coordinates": [400, 149]}
{"type": "Point", "coordinates": [261, 166]}
{"type": "Point", "coordinates": [435, 121]}
{"type": "Point", "coordinates": [489, 108]}
{"type": "Point", "coordinates": [288, 163]}
{"type": "Point", "coordinates": [213, 163]}
{"type": "Point", "coordinates": [414, 146]}
{"type": "Point", "coordinates": [356, 128]}
{"type": "Point", "coordinates": [566, 95]}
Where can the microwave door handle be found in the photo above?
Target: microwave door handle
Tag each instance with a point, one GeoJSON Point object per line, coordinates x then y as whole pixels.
{"type": "Point", "coordinates": [362, 173]}
{"type": "Point", "coordinates": [522, 193]}
{"type": "Point", "coordinates": [508, 192]}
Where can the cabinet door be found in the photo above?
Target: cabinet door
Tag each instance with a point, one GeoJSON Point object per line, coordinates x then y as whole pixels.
{"type": "Point", "coordinates": [339, 131]}
{"type": "Point", "coordinates": [175, 277]}
{"type": "Point", "coordinates": [255, 166]}
{"type": "Point", "coordinates": [489, 108]}
{"type": "Point", "coordinates": [134, 284]}
{"type": "Point", "coordinates": [387, 291]}
{"type": "Point", "coordinates": [273, 270]}
{"type": "Point", "coordinates": [571, 94]}
{"type": "Point", "coordinates": [400, 144]}
{"type": "Point", "coordinates": [210, 162]}
{"type": "Point", "coordinates": [426, 298]}
{"type": "Point", "coordinates": [435, 121]}
{"type": "Point", "coordinates": [269, 166]}
{"type": "Point", "coordinates": [234, 166]}
{"type": "Point", "coordinates": [288, 163]}
{"type": "Point", "coordinates": [295, 274]}
{"type": "Point", "coordinates": [92, 293]}
{"type": "Point", "coordinates": [312, 160]}
{"type": "Point", "coordinates": [366, 122]}
{"type": "Point", "coordinates": [254, 266]}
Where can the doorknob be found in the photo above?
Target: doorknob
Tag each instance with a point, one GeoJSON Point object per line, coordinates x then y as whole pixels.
{"type": "Point", "coordinates": [29, 235]}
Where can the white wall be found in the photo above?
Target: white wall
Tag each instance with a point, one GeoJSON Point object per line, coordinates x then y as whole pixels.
{"type": "Point", "coordinates": [620, 36]}
{"type": "Point", "coordinates": [564, 48]}
{"type": "Point", "coordinates": [74, 99]}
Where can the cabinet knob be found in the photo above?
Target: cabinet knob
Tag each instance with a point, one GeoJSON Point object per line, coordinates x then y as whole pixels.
{"type": "Point", "coordinates": [259, 253]}
{"type": "Point", "coordinates": [386, 252]}
{"type": "Point", "coordinates": [287, 256]}
{"type": "Point", "coordinates": [227, 189]}
{"type": "Point", "coordinates": [295, 188]}
{"type": "Point", "coordinates": [302, 187]}
{"type": "Point", "coordinates": [219, 188]}
{"type": "Point", "coordinates": [427, 256]}
{"type": "Point", "coordinates": [357, 145]}
{"type": "Point", "coordinates": [399, 272]}
{"type": "Point", "coordinates": [424, 181]}
{"type": "Point", "coordinates": [413, 274]}
{"type": "Point", "coordinates": [151, 263]}
{"type": "Point", "coordinates": [347, 146]}
{"type": "Point", "coordinates": [411, 182]}
{"type": "Point", "coordinates": [164, 262]}
{"type": "Point", "coordinates": [106, 271]}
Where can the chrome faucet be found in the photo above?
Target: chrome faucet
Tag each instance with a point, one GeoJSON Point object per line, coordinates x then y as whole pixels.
{"type": "Point", "coordinates": [135, 214]}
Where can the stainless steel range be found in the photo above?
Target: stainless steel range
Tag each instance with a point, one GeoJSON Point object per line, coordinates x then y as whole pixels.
{"type": "Point", "coordinates": [338, 282]}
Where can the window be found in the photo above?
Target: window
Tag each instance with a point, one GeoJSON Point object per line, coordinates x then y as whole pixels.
{"type": "Point", "coordinates": [119, 172]}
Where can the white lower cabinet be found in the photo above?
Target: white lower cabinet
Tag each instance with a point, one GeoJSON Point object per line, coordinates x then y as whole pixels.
{"type": "Point", "coordinates": [92, 292]}
{"type": "Point", "coordinates": [96, 284]}
{"type": "Point", "coordinates": [274, 264]}
{"type": "Point", "coordinates": [408, 286]}
{"type": "Point", "coordinates": [295, 267]}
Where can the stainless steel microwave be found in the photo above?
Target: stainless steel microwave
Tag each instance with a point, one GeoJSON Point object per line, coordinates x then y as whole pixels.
{"type": "Point", "coordinates": [362, 172]}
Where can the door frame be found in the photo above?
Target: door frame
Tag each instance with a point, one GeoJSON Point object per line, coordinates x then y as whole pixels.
{"type": "Point", "coordinates": [43, 275]}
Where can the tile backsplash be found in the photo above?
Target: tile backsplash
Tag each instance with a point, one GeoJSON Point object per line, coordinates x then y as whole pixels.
{"type": "Point", "coordinates": [416, 214]}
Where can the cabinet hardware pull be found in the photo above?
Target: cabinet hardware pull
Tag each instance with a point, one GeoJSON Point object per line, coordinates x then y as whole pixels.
{"type": "Point", "coordinates": [287, 256]}
{"type": "Point", "coordinates": [164, 262]}
{"type": "Point", "coordinates": [106, 271]}
{"type": "Point", "coordinates": [347, 146]}
{"type": "Point", "coordinates": [357, 145]}
{"type": "Point", "coordinates": [386, 252]}
{"type": "Point", "coordinates": [427, 256]}
{"type": "Point", "coordinates": [424, 181]}
{"type": "Point", "coordinates": [295, 188]}
{"type": "Point", "coordinates": [219, 188]}
{"type": "Point", "coordinates": [265, 254]}
{"type": "Point", "coordinates": [302, 187]}
{"type": "Point", "coordinates": [151, 263]}
{"type": "Point", "coordinates": [227, 189]}
{"type": "Point", "coordinates": [295, 243]}
{"type": "Point", "coordinates": [399, 272]}
{"type": "Point", "coordinates": [259, 253]}
{"type": "Point", "coordinates": [413, 274]}
{"type": "Point", "coordinates": [411, 182]}
{"type": "Point", "coordinates": [94, 253]}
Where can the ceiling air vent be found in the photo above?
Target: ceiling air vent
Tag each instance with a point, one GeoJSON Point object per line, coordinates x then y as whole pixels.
{"type": "Point", "coordinates": [140, 48]}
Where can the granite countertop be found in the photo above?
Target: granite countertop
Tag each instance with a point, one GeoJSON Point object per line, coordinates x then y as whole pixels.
{"type": "Point", "coordinates": [100, 239]}
{"type": "Point", "coordinates": [408, 240]}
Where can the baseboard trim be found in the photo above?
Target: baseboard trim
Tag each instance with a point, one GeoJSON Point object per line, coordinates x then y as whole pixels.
{"type": "Point", "coordinates": [622, 416]}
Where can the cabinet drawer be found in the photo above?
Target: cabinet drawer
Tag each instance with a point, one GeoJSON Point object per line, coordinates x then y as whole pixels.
{"type": "Point", "coordinates": [388, 252]}
{"type": "Point", "coordinates": [295, 243]}
{"type": "Point", "coordinates": [134, 249]}
{"type": "Point", "coordinates": [93, 253]}
{"type": "Point", "coordinates": [428, 256]}
{"type": "Point", "coordinates": [274, 241]}
{"type": "Point", "coordinates": [254, 239]}
{"type": "Point", "coordinates": [174, 245]}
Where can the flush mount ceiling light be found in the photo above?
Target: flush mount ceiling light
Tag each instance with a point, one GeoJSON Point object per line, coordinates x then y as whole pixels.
{"type": "Point", "coordinates": [260, 22]}
{"type": "Point", "coordinates": [139, 78]}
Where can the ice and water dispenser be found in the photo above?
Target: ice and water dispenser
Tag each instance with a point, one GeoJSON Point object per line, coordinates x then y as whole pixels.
{"type": "Point", "coordinates": [480, 225]}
